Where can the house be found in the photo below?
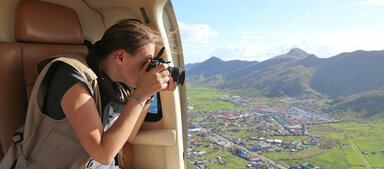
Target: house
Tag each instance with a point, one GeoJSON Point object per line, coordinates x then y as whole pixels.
{"type": "Point", "coordinates": [277, 141]}
{"type": "Point", "coordinates": [196, 130]}
{"type": "Point", "coordinates": [255, 148]}
{"type": "Point", "coordinates": [309, 166]}
{"type": "Point", "coordinates": [263, 146]}
{"type": "Point", "coordinates": [201, 152]}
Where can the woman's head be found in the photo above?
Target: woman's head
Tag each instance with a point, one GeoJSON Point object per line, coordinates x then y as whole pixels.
{"type": "Point", "coordinates": [123, 50]}
{"type": "Point", "coordinates": [129, 35]}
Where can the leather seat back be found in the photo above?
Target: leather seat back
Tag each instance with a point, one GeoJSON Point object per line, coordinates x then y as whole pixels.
{"type": "Point", "coordinates": [42, 30]}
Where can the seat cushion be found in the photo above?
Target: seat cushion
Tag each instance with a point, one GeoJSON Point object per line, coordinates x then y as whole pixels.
{"type": "Point", "coordinates": [44, 22]}
{"type": "Point", "coordinates": [18, 73]}
{"type": "Point", "coordinates": [33, 53]}
{"type": "Point", "coordinates": [42, 30]}
{"type": "Point", "coordinates": [13, 98]}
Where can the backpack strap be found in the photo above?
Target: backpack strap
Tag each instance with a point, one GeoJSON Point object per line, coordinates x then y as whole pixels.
{"type": "Point", "coordinates": [20, 158]}
{"type": "Point", "coordinates": [14, 158]}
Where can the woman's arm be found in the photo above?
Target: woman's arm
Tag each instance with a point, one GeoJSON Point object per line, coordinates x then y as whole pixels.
{"type": "Point", "coordinates": [80, 109]}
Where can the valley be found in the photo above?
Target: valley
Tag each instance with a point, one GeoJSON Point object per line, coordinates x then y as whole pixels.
{"type": "Point", "coordinates": [227, 131]}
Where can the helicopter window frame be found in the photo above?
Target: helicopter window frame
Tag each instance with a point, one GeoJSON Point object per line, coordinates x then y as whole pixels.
{"type": "Point", "coordinates": [156, 105]}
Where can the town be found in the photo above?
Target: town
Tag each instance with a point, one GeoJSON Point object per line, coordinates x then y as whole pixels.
{"type": "Point", "coordinates": [249, 132]}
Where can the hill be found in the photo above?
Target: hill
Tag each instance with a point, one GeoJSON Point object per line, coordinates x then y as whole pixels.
{"type": "Point", "coordinates": [350, 73]}
{"type": "Point", "coordinates": [190, 66]}
{"type": "Point", "coordinates": [295, 73]}
{"type": "Point", "coordinates": [214, 66]}
{"type": "Point", "coordinates": [293, 54]}
{"type": "Point", "coordinates": [289, 77]}
{"type": "Point", "coordinates": [364, 105]}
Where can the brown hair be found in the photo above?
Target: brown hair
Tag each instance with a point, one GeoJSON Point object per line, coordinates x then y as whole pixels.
{"type": "Point", "coordinates": [127, 34]}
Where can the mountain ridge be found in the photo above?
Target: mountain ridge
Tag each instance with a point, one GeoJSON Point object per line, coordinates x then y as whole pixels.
{"type": "Point", "coordinates": [345, 74]}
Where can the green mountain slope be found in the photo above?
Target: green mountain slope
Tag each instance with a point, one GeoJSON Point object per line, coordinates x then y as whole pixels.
{"type": "Point", "coordinates": [367, 104]}
{"type": "Point", "coordinates": [290, 79]}
{"type": "Point", "coordinates": [350, 73]}
{"type": "Point", "coordinates": [295, 74]}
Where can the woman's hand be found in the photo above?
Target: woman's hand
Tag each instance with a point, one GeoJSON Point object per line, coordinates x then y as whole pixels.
{"type": "Point", "coordinates": [171, 85]}
{"type": "Point", "coordinates": [153, 81]}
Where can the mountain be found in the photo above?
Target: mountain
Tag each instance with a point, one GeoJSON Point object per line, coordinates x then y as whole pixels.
{"type": "Point", "coordinates": [286, 77]}
{"type": "Point", "coordinates": [214, 66]}
{"type": "Point", "coordinates": [368, 104]}
{"type": "Point", "coordinates": [190, 66]}
{"type": "Point", "coordinates": [295, 73]}
{"type": "Point", "coordinates": [292, 55]}
{"type": "Point", "coordinates": [350, 73]}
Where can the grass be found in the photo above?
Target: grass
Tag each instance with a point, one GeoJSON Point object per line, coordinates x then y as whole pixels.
{"type": "Point", "coordinates": [331, 159]}
{"type": "Point", "coordinates": [205, 99]}
{"type": "Point", "coordinates": [291, 138]}
{"type": "Point", "coordinates": [241, 133]}
{"type": "Point", "coordinates": [190, 166]}
{"type": "Point", "coordinates": [353, 138]}
{"type": "Point", "coordinates": [353, 154]}
{"type": "Point", "coordinates": [368, 136]}
{"type": "Point", "coordinates": [233, 161]}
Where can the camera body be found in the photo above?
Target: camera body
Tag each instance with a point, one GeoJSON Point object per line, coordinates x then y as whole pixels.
{"type": "Point", "coordinates": [177, 74]}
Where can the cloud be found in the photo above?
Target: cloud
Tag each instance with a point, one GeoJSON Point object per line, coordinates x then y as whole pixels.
{"type": "Point", "coordinates": [322, 45]}
{"type": "Point", "coordinates": [365, 13]}
{"type": "Point", "coordinates": [196, 33]}
{"type": "Point", "coordinates": [250, 51]}
{"type": "Point", "coordinates": [250, 37]}
{"type": "Point", "coordinates": [367, 2]}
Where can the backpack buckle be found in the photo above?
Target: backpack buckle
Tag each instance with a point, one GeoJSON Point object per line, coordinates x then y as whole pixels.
{"type": "Point", "coordinates": [18, 137]}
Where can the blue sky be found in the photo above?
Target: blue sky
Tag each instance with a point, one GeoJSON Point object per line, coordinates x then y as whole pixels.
{"type": "Point", "coordinates": [259, 30]}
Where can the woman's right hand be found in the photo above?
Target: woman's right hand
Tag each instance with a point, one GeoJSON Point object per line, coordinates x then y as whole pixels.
{"type": "Point", "coordinates": [152, 81]}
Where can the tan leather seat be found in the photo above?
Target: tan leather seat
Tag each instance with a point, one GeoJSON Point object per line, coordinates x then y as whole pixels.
{"type": "Point", "coordinates": [42, 30]}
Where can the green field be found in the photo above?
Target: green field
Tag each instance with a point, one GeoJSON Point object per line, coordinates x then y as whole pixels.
{"type": "Point", "coordinates": [205, 99]}
{"type": "Point", "coordinates": [353, 138]}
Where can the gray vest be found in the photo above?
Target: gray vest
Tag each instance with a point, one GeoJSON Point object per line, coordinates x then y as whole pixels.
{"type": "Point", "coordinates": [45, 142]}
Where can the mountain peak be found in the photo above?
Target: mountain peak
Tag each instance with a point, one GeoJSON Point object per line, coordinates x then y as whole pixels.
{"type": "Point", "coordinates": [213, 59]}
{"type": "Point", "coordinates": [297, 52]}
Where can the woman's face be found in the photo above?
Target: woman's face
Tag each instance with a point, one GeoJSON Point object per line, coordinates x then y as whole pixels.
{"type": "Point", "coordinates": [134, 64]}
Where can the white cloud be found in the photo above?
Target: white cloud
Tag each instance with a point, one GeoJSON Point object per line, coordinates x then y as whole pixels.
{"type": "Point", "coordinates": [322, 45]}
{"type": "Point", "coordinates": [368, 2]}
{"type": "Point", "coordinates": [250, 51]}
{"type": "Point", "coordinates": [365, 13]}
{"type": "Point", "coordinates": [196, 33]}
{"type": "Point", "coordinates": [250, 37]}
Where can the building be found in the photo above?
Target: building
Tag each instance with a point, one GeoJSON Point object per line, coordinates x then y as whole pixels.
{"type": "Point", "coordinates": [277, 141]}
{"type": "Point", "coordinates": [196, 130]}
{"type": "Point", "coordinates": [261, 147]}
{"type": "Point", "coordinates": [309, 166]}
{"type": "Point", "coordinates": [305, 131]}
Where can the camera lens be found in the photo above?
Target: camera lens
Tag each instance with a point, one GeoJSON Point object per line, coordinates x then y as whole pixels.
{"type": "Point", "coordinates": [177, 74]}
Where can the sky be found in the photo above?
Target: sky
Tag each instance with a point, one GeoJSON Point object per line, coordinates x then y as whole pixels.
{"type": "Point", "coordinates": [261, 29]}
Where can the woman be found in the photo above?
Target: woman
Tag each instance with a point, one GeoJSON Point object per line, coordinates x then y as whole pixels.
{"type": "Point", "coordinates": [120, 59]}
{"type": "Point", "coordinates": [67, 126]}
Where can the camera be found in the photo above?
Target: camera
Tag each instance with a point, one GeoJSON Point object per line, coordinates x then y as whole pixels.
{"type": "Point", "coordinates": [177, 74]}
